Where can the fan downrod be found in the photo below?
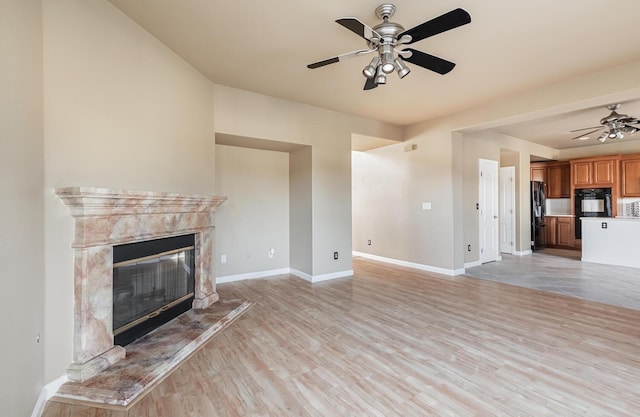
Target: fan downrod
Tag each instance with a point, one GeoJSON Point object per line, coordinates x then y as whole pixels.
{"type": "Point", "coordinates": [385, 11]}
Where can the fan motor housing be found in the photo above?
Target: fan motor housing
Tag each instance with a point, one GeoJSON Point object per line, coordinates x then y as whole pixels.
{"type": "Point", "coordinates": [389, 29]}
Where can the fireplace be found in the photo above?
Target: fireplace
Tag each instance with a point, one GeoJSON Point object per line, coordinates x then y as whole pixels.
{"type": "Point", "coordinates": [108, 221]}
{"type": "Point", "coordinates": [153, 282]}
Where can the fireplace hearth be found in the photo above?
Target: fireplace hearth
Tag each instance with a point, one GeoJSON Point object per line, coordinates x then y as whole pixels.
{"type": "Point", "coordinates": [105, 219]}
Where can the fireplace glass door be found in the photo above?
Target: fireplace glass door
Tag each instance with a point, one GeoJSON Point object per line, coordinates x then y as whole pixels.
{"type": "Point", "coordinates": [151, 289]}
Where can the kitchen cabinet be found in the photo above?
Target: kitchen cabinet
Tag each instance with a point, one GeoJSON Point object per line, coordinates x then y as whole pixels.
{"type": "Point", "coordinates": [559, 180]}
{"type": "Point", "coordinates": [539, 172]}
{"type": "Point", "coordinates": [630, 166]}
{"type": "Point", "coordinates": [551, 222]}
{"type": "Point", "coordinates": [594, 172]}
{"type": "Point", "coordinates": [564, 231]}
{"type": "Point", "coordinates": [559, 231]}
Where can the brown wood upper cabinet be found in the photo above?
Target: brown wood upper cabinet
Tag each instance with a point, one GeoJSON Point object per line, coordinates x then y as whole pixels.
{"type": "Point", "coordinates": [630, 175]}
{"type": "Point", "coordinates": [594, 172]}
{"type": "Point", "coordinates": [539, 171]}
{"type": "Point", "coordinates": [558, 180]}
{"type": "Point", "coordinates": [556, 177]}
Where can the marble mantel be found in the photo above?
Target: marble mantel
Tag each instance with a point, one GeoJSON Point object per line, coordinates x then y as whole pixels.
{"type": "Point", "coordinates": [106, 217]}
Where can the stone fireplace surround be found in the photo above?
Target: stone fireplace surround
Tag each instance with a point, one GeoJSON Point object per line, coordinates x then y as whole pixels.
{"type": "Point", "coordinates": [107, 217]}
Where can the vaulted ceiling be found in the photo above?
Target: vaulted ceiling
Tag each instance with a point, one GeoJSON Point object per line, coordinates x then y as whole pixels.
{"type": "Point", "coordinates": [508, 48]}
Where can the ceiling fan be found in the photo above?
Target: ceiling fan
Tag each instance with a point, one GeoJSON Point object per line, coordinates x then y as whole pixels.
{"type": "Point", "coordinates": [616, 125]}
{"type": "Point", "coordinates": [387, 39]}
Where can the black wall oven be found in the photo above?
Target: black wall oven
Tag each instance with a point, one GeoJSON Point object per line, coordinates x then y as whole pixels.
{"type": "Point", "coordinates": [591, 202]}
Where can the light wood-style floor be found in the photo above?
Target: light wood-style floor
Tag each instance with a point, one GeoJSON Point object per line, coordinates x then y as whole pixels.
{"type": "Point", "coordinates": [394, 341]}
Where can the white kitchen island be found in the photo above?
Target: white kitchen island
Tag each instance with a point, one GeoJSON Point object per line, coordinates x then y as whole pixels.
{"type": "Point", "coordinates": [612, 241]}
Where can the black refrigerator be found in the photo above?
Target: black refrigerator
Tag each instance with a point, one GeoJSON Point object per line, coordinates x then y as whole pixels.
{"type": "Point", "coordinates": [538, 226]}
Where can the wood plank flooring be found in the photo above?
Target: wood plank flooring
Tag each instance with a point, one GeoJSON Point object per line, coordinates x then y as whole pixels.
{"type": "Point", "coordinates": [395, 341]}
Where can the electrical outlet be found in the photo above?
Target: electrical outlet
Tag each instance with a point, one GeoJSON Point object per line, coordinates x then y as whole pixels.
{"type": "Point", "coordinates": [468, 248]}
{"type": "Point", "coordinates": [223, 259]}
{"type": "Point", "coordinates": [369, 242]}
{"type": "Point", "coordinates": [335, 255]}
{"type": "Point", "coordinates": [271, 252]}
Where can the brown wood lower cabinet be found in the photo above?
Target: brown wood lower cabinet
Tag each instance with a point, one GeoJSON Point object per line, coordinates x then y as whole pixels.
{"type": "Point", "coordinates": [552, 236]}
{"type": "Point", "coordinates": [565, 231]}
{"type": "Point", "coordinates": [559, 231]}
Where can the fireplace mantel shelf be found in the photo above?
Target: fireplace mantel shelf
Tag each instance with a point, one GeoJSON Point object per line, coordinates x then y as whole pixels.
{"type": "Point", "coordinates": [96, 201]}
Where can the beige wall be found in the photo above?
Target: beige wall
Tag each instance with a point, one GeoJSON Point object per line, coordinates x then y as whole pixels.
{"type": "Point", "coordinates": [120, 111]}
{"type": "Point", "coordinates": [247, 114]}
{"type": "Point", "coordinates": [255, 218]}
{"type": "Point", "coordinates": [389, 187]}
{"type": "Point", "coordinates": [491, 145]}
{"type": "Point", "coordinates": [434, 238]}
{"type": "Point", "coordinates": [22, 208]}
{"type": "Point", "coordinates": [301, 210]}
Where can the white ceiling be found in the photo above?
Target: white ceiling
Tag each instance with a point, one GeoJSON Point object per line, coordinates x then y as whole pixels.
{"type": "Point", "coordinates": [508, 48]}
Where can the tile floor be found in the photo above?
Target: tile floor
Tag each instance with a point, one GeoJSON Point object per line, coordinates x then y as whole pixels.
{"type": "Point", "coordinates": [561, 271]}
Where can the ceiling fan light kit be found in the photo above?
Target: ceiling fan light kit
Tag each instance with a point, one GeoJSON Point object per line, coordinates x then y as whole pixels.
{"type": "Point", "coordinates": [387, 38]}
{"type": "Point", "coordinates": [617, 126]}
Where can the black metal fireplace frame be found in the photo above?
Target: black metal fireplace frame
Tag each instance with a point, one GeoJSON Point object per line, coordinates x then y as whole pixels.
{"type": "Point", "coordinates": [146, 249]}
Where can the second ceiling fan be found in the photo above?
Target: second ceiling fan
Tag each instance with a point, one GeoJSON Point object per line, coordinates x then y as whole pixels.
{"type": "Point", "coordinates": [387, 38]}
{"type": "Point", "coordinates": [615, 126]}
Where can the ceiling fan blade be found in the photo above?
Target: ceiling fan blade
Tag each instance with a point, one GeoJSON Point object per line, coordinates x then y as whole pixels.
{"type": "Point", "coordinates": [370, 84]}
{"type": "Point", "coordinates": [430, 62]}
{"type": "Point", "coordinates": [447, 21]}
{"type": "Point", "coordinates": [586, 128]}
{"type": "Point", "coordinates": [586, 134]}
{"type": "Point", "coordinates": [339, 58]}
{"type": "Point", "coordinates": [359, 28]}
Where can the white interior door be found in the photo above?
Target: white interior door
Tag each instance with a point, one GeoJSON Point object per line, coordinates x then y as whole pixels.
{"type": "Point", "coordinates": [507, 217]}
{"type": "Point", "coordinates": [488, 210]}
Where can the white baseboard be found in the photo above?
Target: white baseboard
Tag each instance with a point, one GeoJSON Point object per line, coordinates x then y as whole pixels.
{"type": "Point", "coordinates": [323, 277]}
{"type": "Point", "coordinates": [332, 275]}
{"type": "Point", "coordinates": [300, 274]}
{"type": "Point", "coordinates": [523, 253]}
{"type": "Point", "coordinates": [46, 393]}
{"type": "Point", "coordinates": [438, 270]}
{"type": "Point", "coordinates": [472, 264]}
{"type": "Point", "coordinates": [282, 271]}
{"type": "Point", "coordinates": [252, 275]}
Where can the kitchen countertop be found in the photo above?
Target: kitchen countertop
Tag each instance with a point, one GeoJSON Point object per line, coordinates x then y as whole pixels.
{"type": "Point", "coordinates": [618, 219]}
{"type": "Point", "coordinates": [559, 215]}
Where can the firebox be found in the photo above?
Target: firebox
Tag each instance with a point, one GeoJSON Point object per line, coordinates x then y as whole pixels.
{"type": "Point", "coordinates": [153, 282]}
